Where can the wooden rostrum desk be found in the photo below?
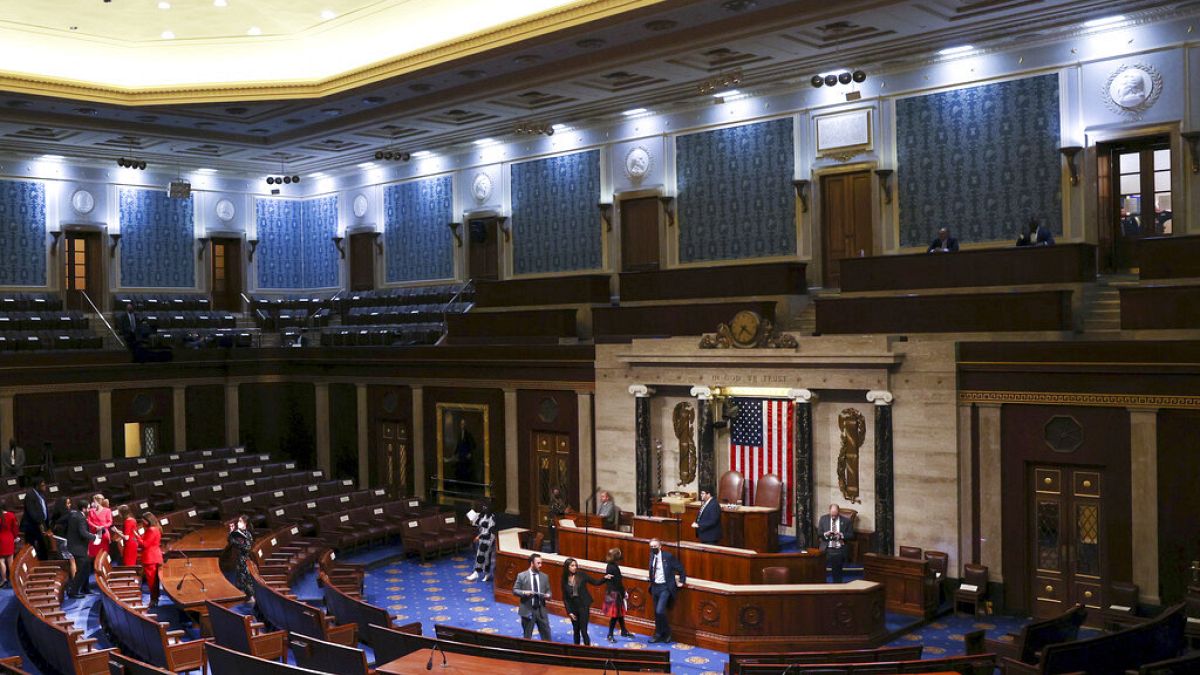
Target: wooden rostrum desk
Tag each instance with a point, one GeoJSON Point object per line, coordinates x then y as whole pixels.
{"type": "Point", "coordinates": [712, 614]}
{"type": "Point", "coordinates": [752, 527]}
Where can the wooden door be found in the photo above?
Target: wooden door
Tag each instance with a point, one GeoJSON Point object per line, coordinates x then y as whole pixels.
{"type": "Point", "coordinates": [82, 270]}
{"type": "Point", "coordinates": [846, 221]}
{"type": "Point", "coordinates": [483, 249]}
{"type": "Point", "coordinates": [396, 457]}
{"type": "Point", "coordinates": [225, 265]}
{"type": "Point", "coordinates": [553, 456]}
{"type": "Point", "coordinates": [1135, 196]}
{"type": "Point", "coordinates": [362, 261]}
{"type": "Point", "coordinates": [1066, 526]}
{"type": "Point", "coordinates": [639, 234]}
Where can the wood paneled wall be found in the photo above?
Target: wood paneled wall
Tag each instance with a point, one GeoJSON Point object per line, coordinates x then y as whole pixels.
{"type": "Point", "coordinates": [386, 403]}
{"type": "Point", "coordinates": [545, 410]}
{"type": "Point", "coordinates": [204, 411]}
{"type": "Point", "coordinates": [279, 418]}
{"type": "Point", "coordinates": [343, 430]}
{"type": "Point", "coordinates": [70, 421]}
{"type": "Point", "coordinates": [1178, 501]}
{"type": "Point", "coordinates": [154, 405]}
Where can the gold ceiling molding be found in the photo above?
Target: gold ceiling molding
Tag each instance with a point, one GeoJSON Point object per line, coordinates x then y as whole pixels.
{"type": "Point", "coordinates": [502, 35]}
{"type": "Point", "coordinates": [1089, 399]}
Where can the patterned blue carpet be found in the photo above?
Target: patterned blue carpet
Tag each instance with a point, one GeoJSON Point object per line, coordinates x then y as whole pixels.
{"type": "Point", "coordinates": [437, 592]}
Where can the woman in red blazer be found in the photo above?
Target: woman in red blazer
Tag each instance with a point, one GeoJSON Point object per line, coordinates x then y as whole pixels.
{"type": "Point", "coordinates": [152, 557]}
{"type": "Point", "coordinates": [9, 531]}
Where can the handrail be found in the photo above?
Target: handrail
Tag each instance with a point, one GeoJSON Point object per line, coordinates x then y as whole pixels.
{"type": "Point", "coordinates": [445, 329]}
{"type": "Point", "coordinates": [101, 315]}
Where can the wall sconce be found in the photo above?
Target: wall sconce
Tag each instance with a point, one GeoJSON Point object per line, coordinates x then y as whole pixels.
{"type": "Point", "coordinates": [454, 230]}
{"type": "Point", "coordinates": [668, 204]}
{"type": "Point", "coordinates": [203, 241]}
{"type": "Point", "coordinates": [253, 245]}
{"type": "Point", "coordinates": [114, 239]}
{"type": "Point", "coordinates": [1069, 153]}
{"type": "Point", "coordinates": [54, 234]}
{"type": "Point", "coordinates": [378, 242]}
{"type": "Point", "coordinates": [802, 193]}
{"type": "Point", "coordinates": [1193, 140]}
{"type": "Point", "coordinates": [502, 222]}
{"type": "Point", "coordinates": [337, 242]}
{"type": "Point", "coordinates": [885, 183]}
{"type": "Point", "coordinates": [606, 215]}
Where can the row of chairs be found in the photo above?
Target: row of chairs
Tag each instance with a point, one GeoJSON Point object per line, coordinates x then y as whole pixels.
{"type": "Point", "coordinates": [409, 295]}
{"type": "Point", "coordinates": [146, 302]}
{"type": "Point", "coordinates": [405, 335]}
{"type": "Point", "coordinates": [272, 319]}
{"type": "Point", "coordinates": [255, 498]}
{"type": "Point", "coordinates": [12, 301]}
{"type": "Point", "coordinates": [78, 474]}
{"type": "Point", "coordinates": [433, 535]}
{"type": "Point", "coordinates": [43, 340]}
{"type": "Point", "coordinates": [189, 319]}
{"type": "Point", "coordinates": [43, 320]}
{"type": "Point", "coordinates": [164, 490]}
{"type": "Point", "coordinates": [203, 338]}
{"type": "Point", "coordinates": [311, 303]}
{"type": "Point", "coordinates": [402, 314]}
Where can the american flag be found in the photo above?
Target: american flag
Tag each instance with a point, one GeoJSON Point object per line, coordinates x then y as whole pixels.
{"type": "Point", "coordinates": [761, 443]}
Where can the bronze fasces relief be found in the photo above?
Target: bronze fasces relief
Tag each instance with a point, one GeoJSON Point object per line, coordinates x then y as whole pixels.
{"type": "Point", "coordinates": [853, 428]}
{"type": "Point", "coordinates": [684, 418]}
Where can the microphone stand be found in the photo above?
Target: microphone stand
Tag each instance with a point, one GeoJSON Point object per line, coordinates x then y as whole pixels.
{"type": "Point", "coordinates": [587, 522]}
{"type": "Point", "coordinates": [437, 647]}
{"type": "Point", "coordinates": [189, 573]}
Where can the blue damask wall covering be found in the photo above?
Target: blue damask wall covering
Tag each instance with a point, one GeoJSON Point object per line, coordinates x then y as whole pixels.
{"type": "Point", "coordinates": [418, 242]}
{"type": "Point", "coordinates": [295, 250]}
{"type": "Point", "coordinates": [157, 240]}
{"type": "Point", "coordinates": [22, 233]}
{"type": "Point", "coordinates": [979, 160]}
{"type": "Point", "coordinates": [736, 198]}
{"type": "Point", "coordinates": [555, 221]}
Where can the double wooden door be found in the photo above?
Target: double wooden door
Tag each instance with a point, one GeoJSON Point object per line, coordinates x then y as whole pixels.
{"type": "Point", "coordinates": [552, 456]}
{"type": "Point", "coordinates": [226, 274]}
{"type": "Point", "coordinates": [846, 230]}
{"type": "Point", "coordinates": [362, 261]}
{"type": "Point", "coordinates": [83, 270]}
{"type": "Point", "coordinates": [1068, 545]}
{"type": "Point", "coordinates": [639, 234]}
{"type": "Point", "coordinates": [483, 248]}
{"type": "Point", "coordinates": [395, 457]}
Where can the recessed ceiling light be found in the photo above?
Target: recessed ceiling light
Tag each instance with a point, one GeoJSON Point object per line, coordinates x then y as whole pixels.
{"type": "Point", "coordinates": [206, 170]}
{"type": "Point", "coordinates": [559, 128]}
{"type": "Point", "coordinates": [327, 14]}
{"type": "Point", "coordinates": [634, 112]}
{"type": "Point", "coordinates": [484, 142]}
{"type": "Point", "coordinates": [219, 3]}
{"type": "Point", "coordinates": [1106, 21]}
{"type": "Point", "coordinates": [164, 5]}
{"type": "Point", "coordinates": [728, 93]}
{"type": "Point", "coordinates": [254, 30]}
{"type": "Point", "coordinates": [954, 51]}
{"type": "Point", "coordinates": [422, 154]}
{"type": "Point", "coordinates": [168, 35]}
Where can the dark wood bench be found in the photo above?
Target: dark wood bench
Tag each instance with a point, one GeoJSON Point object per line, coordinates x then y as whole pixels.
{"type": "Point", "coordinates": [1114, 653]}
{"type": "Point", "coordinates": [979, 664]}
{"type": "Point", "coordinates": [575, 289]}
{"type": "Point", "coordinates": [728, 281]}
{"type": "Point", "coordinates": [328, 657]}
{"type": "Point", "coordinates": [243, 633]}
{"type": "Point", "coordinates": [288, 613]}
{"type": "Point", "coordinates": [946, 313]}
{"type": "Point", "coordinates": [224, 661]}
{"type": "Point", "coordinates": [1027, 645]}
{"type": "Point", "coordinates": [529, 326]}
{"type": "Point", "coordinates": [1184, 665]}
{"type": "Point", "coordinates": [1160, 307]}
{"type": "Point", "coordinates": [12, 665]}
{"type": "Point", "coordinates": [38, 587]}
{"type": "Point", "coordinates": [736, 659]}
{"type": "Point", "coordinates": [658, 657]}
{"type": "Point", "coordinates": [1003, 266]}
{"type": "Point", "coordinates": [354, 610]}
{"type": "Point", "coordinates": [120, 664]}
{"type": "Point", "coordinates": [1168, 257]}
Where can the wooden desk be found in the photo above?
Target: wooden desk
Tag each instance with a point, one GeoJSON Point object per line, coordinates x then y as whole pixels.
{"type": "Point", "coordinates": [720, 616]}
{"type": "Point", "coordinates": [752, 527]}
{"type": "Point", "coordinates": [207, 541]}
{"type": "Point", "coordinates": [467, 664]}
{"type": "Point", "coordinates": [190, 597]}
{"type": "Point", "coordinates": [911, 585]}
{"type": "Point", "coordinates": [1006, 266]}
{"type": "Point", "coordinates": [1168, 257]}
{"type": "Point", "coordinates": [992, 311]}
{"type": "Point", "coordinates": [702, 561]}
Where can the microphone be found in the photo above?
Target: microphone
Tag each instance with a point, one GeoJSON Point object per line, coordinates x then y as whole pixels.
{"type": "Point", "coordinates": [437, 647]}
{"type": "Point", "coordinates": [608, 662]}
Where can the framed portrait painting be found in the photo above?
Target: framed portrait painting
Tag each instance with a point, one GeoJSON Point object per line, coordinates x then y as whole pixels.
{"type": "Point", "coordinates": [463, 452]}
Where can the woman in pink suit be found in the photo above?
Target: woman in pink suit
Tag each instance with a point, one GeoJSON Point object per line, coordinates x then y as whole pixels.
{"type": "Point", "coordinates": [99, 520]}
{"type": "Point", "coordinates": [9, 531]}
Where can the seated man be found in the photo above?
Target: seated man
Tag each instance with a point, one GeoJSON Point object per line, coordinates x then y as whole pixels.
{"type": "Point", "coordinates": [1129, 225]}
{"type": "Point", "coordinates": [1038, 235]}
{"type": "Point", "coordinates": [944, 243]}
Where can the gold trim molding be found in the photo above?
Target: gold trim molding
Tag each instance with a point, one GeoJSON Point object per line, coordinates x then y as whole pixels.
{"type": "Point", "coordinates": [502, 35]}
{"type": "Point", "coordinates": [1081, 399]}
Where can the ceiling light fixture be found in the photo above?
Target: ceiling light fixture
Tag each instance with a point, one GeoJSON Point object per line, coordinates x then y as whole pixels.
{"type": "Point", "coordinates": [485, 142]}
{"type": "Point", "coordinates": [532, 128]}
{"type": "Point", "coordinates": [955, 51]}
{"type": "Point", "coordinates": [327, 14]}
{"type": "Point", "coordinates": [1106, 21]}
{"type": "Point", "coordinates": [559, 128]}
{"type": "Point", "coordinates": [168, 35]}
{"type": "Point", "coordinates": [422, 154]}
{"type": "Point", "coordinates": [635, 112]}
{"type": "Point", "coordinates": [164, 5]}
{"type": "Point", "coordinates": [723, 81]}
{"type": "Point", "coordinates": [220, 3]}
{"type": "Point", "coordinates": [833, 78]}
{"type": "Point", "coordinates": [254, 30]}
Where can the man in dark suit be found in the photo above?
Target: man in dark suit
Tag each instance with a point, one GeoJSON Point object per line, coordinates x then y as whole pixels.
{"type": "Point", "coordinates": [708, 520]}
{"type": "Point", "coordinates": [128, 325]}
{"type": "Point", "coordinates": [533, 588]}
{"type": "Point", "coordinates": [664, 567]}
{"type": "Point", "coordinates": [1038, 235]}
{"type": "Point", "coordinates": [79, 535]}
{"type": "Point", "coordinates": [33, 520]}
{"type": "Point", "coordinates": [944, 243]}
{"type": "Point", "coordinates": [835, 530]}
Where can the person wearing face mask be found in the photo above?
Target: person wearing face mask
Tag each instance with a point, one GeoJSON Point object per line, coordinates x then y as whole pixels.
{"type": "Point", "coordinates": [241, 538]}
{"type": "Point", "coordinates": [664, 568]}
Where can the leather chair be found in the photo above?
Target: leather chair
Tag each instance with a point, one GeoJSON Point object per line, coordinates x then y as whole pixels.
{"type": "Point", "coordinates": [974, 588]}
{"type": "Point", "coordinates": [769, 492]}
{"type": "Point", "coordinates": [913, 552]}
{"type": "Point", "coordinates": [854, 546]}
{"type": "Point", "coordinates": [731, 488]}
{"type": "Point", "coordinates": [1122, 608]}
{"type": "Point", "coordinates": [775, 575]}
{"type": "Point", "coordinates": [939, 561]}
{"type": "Point", "coordinates": [625, 521]}
{"type": "Point", "coordinates": [531, 540]}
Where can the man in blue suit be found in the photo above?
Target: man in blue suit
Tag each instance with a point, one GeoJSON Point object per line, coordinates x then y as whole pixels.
{"type": "Point", "coordinates": [664, 567]}
{"type": "Point", "coordinates": [1038, 235]}
{"type": "Point", "coordinates": [708, 521]}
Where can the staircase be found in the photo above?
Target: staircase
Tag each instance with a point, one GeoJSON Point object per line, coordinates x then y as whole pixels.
{"type": "Point", "coordinates": [1102, 303]}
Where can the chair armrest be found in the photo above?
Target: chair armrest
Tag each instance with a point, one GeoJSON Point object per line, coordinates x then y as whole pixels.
{"type": "Point", "coordinates": [346, 634]}
{"type": "Point", "coordinates": [1003, 648]}
{"type": "Point", "coordinates": [1014, 667]}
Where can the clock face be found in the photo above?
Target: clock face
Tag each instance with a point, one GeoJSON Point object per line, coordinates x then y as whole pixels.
{"type": "Point", "coordinates": [360, 206]}
{"type": "Point", "coordinates": [225, 210]}
{"type": "Point", "coordinates": [744, 328]}
{"type": "Point", "coordinates": [83, 201]}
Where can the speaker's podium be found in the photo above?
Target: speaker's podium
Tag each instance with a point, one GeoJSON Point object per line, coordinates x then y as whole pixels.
{"type": "Point", "coordinates": [752, 527]}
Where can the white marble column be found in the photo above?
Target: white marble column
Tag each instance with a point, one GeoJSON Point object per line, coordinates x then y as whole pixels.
{"type": "Point", "coordinates": [587, 455]}
{"type": "Point", "coordinates": [364, 459]}
{"type": "Point", "coordinates": [512, 455]}
{"type": "Point", "coordinates": [418, 440]}
{"type": "Point", "coordinates": [324, 461]}
{"type": "Point", "coordinates": [1143, 483]}
{"type": "Point", "coordinates": [179, 415]}
{"type": "Point", "coordinates": [232, 426]}
{"type": "Point", "coordinates": [990, 496]}
{"type": "Point", "coordinates": [106, 431]}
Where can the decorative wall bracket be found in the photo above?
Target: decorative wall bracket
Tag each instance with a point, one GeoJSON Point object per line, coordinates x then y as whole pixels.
{"type": "Point", "coordinates": [606, 210]}
{"type": "Point", "coordinates": [253, 246]}
{"type": "Point", "coordinates": [802, 193]}
{"type": "Point", "coordinates": [885, 183]}
{"type": "Point", "coordinates": [668, 204]}
{"type": "Point", "coordinates": [337, 242]}
{"type": "Point", "coordinates": [1193, 141]}
{"type": "Point", "coordinates": [454, 229]}
{"type": "Point", "coordinates": [502, 223]}
{"type": "Point", "coordinates": [54, 234]}
{"type": "Point", "coordinates": [114, 239]}
{"type": "Point", "coordinates": [378, 242]}
{"type": "Point", "coordinates": [1069, 152]}
{"type": "Point", "coordinates": [203, 241]}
